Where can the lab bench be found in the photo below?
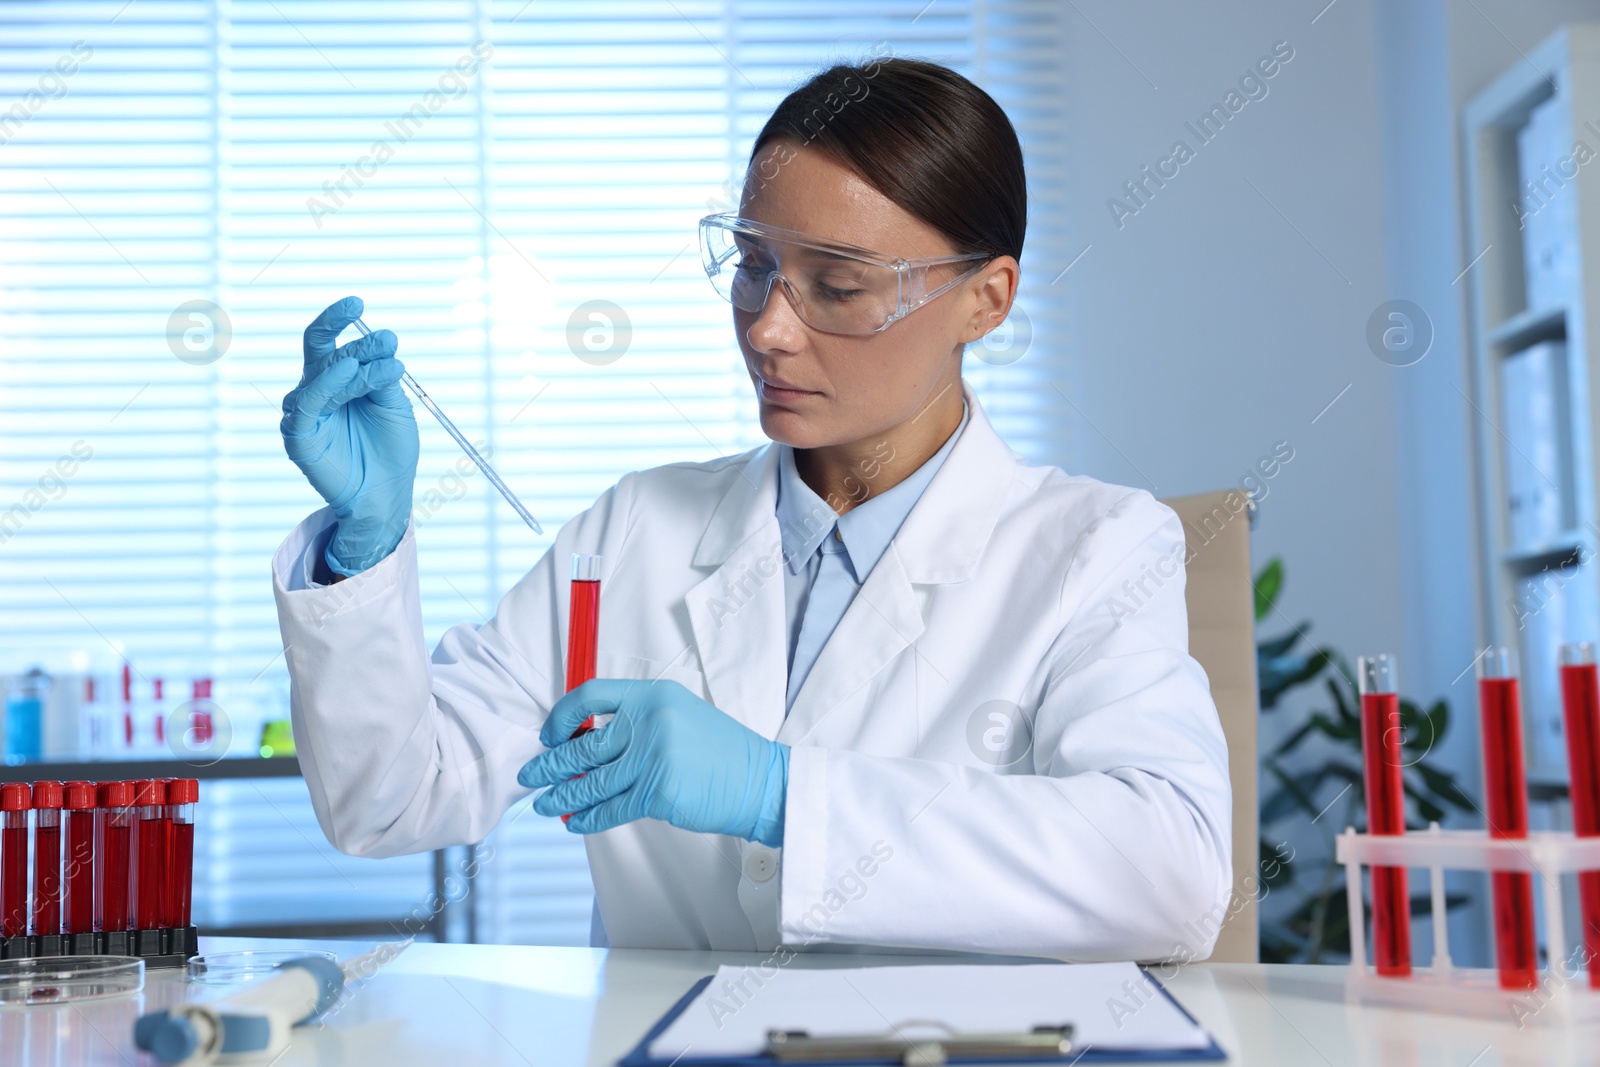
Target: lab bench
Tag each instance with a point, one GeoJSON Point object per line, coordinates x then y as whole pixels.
{"type": "Point", "coordinates": [518, 1005]}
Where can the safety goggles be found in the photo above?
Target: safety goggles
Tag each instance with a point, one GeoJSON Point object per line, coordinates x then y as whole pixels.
{"type": "Point", "coordinates": [835, 288]}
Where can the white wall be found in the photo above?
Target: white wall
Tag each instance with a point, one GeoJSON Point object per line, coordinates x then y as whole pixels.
{"type": "Point", "coordinates": [1231, 309]}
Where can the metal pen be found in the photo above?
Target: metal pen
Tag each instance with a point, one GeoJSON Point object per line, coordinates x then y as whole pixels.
{"type": "Point", "coordinates": [466, 446]}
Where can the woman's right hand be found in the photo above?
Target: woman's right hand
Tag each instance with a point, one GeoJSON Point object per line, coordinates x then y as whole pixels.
{"type": "Point", "coordinates": [348, 426]}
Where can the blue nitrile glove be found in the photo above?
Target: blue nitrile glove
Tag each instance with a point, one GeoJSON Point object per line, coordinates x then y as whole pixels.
{"type": "Point", "coordinates": [348, 426]}
{"type": "Point", "coordinates": [666, 755]}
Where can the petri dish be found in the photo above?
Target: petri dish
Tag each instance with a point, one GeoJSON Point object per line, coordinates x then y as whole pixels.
{"type": "Point", "coordinates": [246, 965]}
{"type": "Point", "coordinates": [61, 979]}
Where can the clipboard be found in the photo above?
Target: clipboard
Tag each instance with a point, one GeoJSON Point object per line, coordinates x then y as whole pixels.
{"type": "Point", "coordinates": [640, 1054]}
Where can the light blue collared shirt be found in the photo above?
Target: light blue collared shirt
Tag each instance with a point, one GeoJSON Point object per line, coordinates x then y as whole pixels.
{"type": "Point", "coordinates": [828, 556]}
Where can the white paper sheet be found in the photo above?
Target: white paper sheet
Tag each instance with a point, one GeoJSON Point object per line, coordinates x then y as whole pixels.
{"type": "Point", "coordinates": [1110, 1005]}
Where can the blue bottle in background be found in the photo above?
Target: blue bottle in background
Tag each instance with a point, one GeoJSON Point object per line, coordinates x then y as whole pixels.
{"type": "Point", "coordinates": [25, 717]}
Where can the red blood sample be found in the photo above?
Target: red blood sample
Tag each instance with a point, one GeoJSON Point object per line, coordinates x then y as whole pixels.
{"type": "Point", "coordinates": [47, 858]}
{"type": "Point", "coordinates": [1506, 793]}
{"type": "Point", "coordinates": [182, 794]}
{"type": "Point", "coordinates": [583, 621]}
{"type": "Point", "coordinates": [15, 798]}
{"type": "Point", "coordinates": [153, 833]}
{"type": "Point", "coordinates": [1580, 697]}
{"type": "Point", "coordinates": [583, 631]}
{"type": "Point", "coordinates": [114, 830]}
{"type": "Point", "coordinates": [78, 905]}
{"type": "Point", "coordinates": [1386, 815]}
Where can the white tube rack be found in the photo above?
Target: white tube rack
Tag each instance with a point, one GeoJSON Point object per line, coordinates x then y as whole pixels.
{"type": "Point", "coordinates": [1563, 996]}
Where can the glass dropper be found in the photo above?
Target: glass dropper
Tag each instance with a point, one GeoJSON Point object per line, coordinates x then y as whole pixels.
{"type": "Point", "coordinates": [466, 446]}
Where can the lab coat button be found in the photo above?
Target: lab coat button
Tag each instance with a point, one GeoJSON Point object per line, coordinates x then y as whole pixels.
{"type": "Point", "coordinates": [761, 864]}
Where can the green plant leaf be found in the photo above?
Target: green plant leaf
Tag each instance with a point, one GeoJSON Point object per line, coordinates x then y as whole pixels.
{"type": "Point", "coordinates": [1268, 584]}
{"type": "Point", "coordinates": [1443, 785]}
{"type": "Point", "coordinates": [1278, 646]}
{"type": "Point", "coordinates": [1343, 702]}
{"type": "Point", "coordinates": [1430, 811]}
{"type": "Point", "coordinates": [1276, 869]}
{"type": "Point", "coordinates": [1418, 733]}
{"type": "Point", "coordinates": [1298, 790]}
{"type": "Point", "coordinates": [1279, 675]}
{"type": "Point", "coordinates": [1439, 717]}
{"type": "Point", "coordinates": [1321, 724]}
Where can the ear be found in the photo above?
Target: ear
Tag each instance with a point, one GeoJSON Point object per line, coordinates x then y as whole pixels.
{"type": "Point", "coordinates": [993, 291]}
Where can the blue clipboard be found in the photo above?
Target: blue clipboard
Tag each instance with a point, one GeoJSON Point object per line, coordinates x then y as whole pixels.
{"type": "Point", "coordinates": [640, 1056]}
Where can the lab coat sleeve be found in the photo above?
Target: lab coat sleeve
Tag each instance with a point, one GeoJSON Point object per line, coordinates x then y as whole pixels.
{"type": "Point", "coordinates": [404, 752]}
{"type": "Point", "coordinates": [1116, 845]}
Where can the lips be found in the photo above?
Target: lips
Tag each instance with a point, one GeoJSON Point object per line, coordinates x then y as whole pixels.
{"type": "Point", "coordinates": [777, 392]}
{"type": "Point", "coordinates": [778, 383]}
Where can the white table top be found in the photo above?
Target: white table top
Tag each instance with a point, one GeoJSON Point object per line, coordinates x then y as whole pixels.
{"type": "Point", "coordinates": [519, 1005]}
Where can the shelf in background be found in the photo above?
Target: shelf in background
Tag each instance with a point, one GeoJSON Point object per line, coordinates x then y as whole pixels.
{"type": "Point", "coordinates": [1559, 547]}
{"type": "Point", "coordinates": [124, 770]}
{"type": "Point", "coordinates": [1529, 327]}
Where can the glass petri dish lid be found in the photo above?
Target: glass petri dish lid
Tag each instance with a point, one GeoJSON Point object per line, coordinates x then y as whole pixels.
{"type": "Point", "coordinates": [61, 979]}
{"type": "Point", "coordinates": [246, 965]}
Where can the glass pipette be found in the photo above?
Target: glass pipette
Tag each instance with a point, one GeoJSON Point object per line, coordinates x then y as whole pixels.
{"type": "Point", "coordinates": [466, 446]}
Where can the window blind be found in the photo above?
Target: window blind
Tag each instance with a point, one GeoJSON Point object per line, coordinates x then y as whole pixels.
{"type": "Point", "coordinates": [185, 184]}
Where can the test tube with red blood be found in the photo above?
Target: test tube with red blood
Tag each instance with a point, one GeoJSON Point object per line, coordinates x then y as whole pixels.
{"type": "Point", "coordinates": [182, 794]}
{"type": "Point", "coordinates": [78, 905]}
{"type": "Point", "coordinates": [583, 630]}
{"type": "Point", "coordinates": [1580, 697]}
{"type": "Point", "coordinates": [15, 799]}
{"type": "Point", "coordinates": [1378, 684]}
{"type": "Point", "coordinates": [113, 849]}
{"type": "Point", "coordinates": [152, 832]}
{"type": "Point", "coordinates": [1506, 795]}
{"type": "Point", "coordinates": [46, 858]}
{"type": "Point", "coordinates": [583, 626]}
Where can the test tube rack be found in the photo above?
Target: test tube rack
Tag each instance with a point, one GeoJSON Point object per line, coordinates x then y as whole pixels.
{"type": "Point", "coordinates": [1563, 995]}
{"type": "Point", "coordinates": [146, 891]}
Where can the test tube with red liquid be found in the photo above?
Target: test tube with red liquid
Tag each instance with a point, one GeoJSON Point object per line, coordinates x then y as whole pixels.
{"type": "Point", "coordinates": [152, 833]}
{"type": "Point", "coordinates": [1378, 683]}
{"type": "Point", "coordinates": [15, 800]}
{"type": "Point", "coordinates": [113, 848]}
{"type": "Point", "coordinates": [78, 798]}
{"type": "Point", "coordinates": [182, 795]}
{"type": "Point", "coordinates": [583, 626]}
{"type": "Point", "coordinates": [47, 800]}
{"type": "Point", "coordinates": [583, 631]}
{"type": "Point", "coordinates": [1506, 794]}
{"type": "Point", "coordinates": [1580, 698]}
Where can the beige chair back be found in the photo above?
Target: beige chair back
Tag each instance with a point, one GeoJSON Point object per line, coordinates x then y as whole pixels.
{"type": "Point", "coordinates": [1222, 637]}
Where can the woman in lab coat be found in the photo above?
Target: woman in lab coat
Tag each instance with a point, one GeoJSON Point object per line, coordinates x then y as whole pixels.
{"type": "Point", "coordinates": [879, 682]}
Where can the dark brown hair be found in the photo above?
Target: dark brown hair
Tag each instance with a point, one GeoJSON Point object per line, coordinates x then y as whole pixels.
{"type": "Point", "coordinates": [923, 136]}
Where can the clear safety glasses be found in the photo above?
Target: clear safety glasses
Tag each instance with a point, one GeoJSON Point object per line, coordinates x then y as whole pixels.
{"type": "Point", "coordinates": [835, 288]}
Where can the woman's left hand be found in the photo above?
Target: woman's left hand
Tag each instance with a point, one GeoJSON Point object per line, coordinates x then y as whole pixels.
{"type": "Point", "coordinates": [666, 754]}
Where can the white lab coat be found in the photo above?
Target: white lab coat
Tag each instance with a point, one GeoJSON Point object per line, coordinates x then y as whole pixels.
{"type": "Point", "coordinates": [1010, 588]}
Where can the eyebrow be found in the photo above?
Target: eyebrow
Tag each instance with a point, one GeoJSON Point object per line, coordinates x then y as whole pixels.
{"type": "Point", "coordinates": [744, 240]}
{"type": "Point", "coordinates": [823, 254]}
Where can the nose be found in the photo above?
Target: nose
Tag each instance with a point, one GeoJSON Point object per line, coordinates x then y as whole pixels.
{"type": "Point", "coordinates": [777, 325]}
